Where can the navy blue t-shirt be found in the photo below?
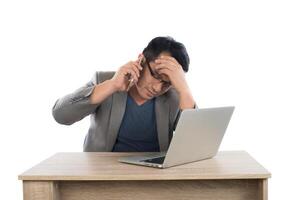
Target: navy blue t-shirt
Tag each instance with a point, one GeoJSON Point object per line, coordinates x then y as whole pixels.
{"type": "Point", "coordinates": [138, 130]}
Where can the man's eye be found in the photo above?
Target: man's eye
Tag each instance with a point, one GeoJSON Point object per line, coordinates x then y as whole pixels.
{"type": "Point", "coordinates": [165, 82]}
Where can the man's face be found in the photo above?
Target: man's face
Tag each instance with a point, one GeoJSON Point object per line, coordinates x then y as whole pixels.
{"type": "Point", "coordinates": [152, 84]}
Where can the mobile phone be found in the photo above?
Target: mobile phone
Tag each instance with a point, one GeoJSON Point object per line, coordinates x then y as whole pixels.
{"type": "Point", "coordinates": [131, 79]}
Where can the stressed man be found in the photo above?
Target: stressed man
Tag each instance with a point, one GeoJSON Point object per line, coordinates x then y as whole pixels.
{"type": "Point", "coordinates": [135, 108]}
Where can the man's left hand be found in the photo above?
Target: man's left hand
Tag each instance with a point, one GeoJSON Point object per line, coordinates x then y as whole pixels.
{"type": "Point", "coordinates": [170, 67]}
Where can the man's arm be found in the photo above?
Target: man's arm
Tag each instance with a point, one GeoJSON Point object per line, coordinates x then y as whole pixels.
{"type": "Point", "coordinates": [75, 106]}
{"type": "Point", "coordinates": [186, 100]}
{"type": "Point", "coordinates": [169, 66]}
{"type": "Point", "coordinates": [82, 102]}
{"type": "Point", "coordinates": [102, 91]}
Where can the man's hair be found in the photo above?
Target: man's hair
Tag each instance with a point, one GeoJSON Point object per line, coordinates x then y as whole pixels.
{"type": "Point", "coordinates": [167, 44]}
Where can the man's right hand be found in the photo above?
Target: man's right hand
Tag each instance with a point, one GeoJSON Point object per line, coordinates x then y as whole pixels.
{"type": "Point", "coordinates": [121, 79]}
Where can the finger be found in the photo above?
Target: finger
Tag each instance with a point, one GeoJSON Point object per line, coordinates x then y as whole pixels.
{"type": "Point", "coordinates": [165, 66]}
{"type": "Point", "coordinates": [134, 74]}
{"type": "Point", "coordinates": [134, 68]}
{"type": "Point", "coordinates": [130, 73]}
{"type": "Point", "coordinates": [140, 58]}
{"type": "Point", "coordinates": [139, 61]}
{"type": "Point", "coordinates": [167, 63]}
{"type": "Point", "coordinates": [169, 58]}
{"type": "Point", "coordinates": [138, 66]}
{"type": "Point", "coordinates": [164, 71]}
{"type": "Point", "coordinates": [131, 83]}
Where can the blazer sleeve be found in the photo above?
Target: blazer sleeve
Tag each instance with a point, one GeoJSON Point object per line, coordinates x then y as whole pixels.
{"type": "Point", "coordinates": [75, 106]}
{"type": "Point", "coordinates": [175, 111]}
{"type": "Point", "coordinates": [177, 117]}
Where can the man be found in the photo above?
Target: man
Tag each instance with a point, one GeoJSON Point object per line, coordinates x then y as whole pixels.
{"type": "Point", "coordinates": [136, 107]}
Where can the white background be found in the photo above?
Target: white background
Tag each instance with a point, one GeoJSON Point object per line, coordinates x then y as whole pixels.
{"type": "Point", "coordinates": [243, 53]}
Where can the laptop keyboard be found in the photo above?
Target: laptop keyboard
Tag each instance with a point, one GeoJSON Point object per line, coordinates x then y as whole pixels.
{"type": "Point", "coordinates": [158, 160]}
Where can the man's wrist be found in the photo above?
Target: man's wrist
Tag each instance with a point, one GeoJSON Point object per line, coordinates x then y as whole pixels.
{"type": "Point", "coordinates": [113, 85]}
{"type": "Point", "coordinates": [186, 100]}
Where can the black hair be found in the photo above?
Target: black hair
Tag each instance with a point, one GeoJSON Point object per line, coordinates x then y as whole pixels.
{"type": "Point", "coordinates": [167, 44]}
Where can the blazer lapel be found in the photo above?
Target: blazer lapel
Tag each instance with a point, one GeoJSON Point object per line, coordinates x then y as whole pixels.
{"type": "Point", "coordinates": [117, 112]}
{"type": "Point", "coordinates": [162, 114]}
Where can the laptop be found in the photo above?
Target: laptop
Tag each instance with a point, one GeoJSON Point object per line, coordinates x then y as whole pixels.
{"type": "Point", "coordinates": [198, 135]}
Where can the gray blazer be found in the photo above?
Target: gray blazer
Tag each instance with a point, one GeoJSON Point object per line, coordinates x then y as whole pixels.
{"type": "Point", "coordinates": [106, 117]}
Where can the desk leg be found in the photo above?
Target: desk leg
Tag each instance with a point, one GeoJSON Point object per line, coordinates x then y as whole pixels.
{"type": "Point", "coordinates": [263, 189]}
{"type": "Point", "coordinates": [40, 190]}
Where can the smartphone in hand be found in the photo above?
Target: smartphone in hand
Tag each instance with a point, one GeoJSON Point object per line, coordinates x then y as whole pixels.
{"type": "Point", "coordinates": [131, 79]}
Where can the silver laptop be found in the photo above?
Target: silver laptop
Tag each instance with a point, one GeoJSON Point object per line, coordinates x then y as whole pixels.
{"type": "Point", "coordinates": [198, 135]}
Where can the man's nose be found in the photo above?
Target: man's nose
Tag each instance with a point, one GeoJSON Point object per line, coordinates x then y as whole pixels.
{"type": "Point", "coordinates": [157, 87]}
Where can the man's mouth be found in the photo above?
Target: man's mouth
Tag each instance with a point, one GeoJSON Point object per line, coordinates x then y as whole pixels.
{"type": "Point", "coordinates": [152, 93]}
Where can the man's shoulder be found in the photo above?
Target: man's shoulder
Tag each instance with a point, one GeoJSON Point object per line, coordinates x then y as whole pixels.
{"type": "Point", "coordinates": [102, 76]}
{"type": "Point", "coordinates": [172, 96]}
{"type": "Point", "coordinates": [172, 93]}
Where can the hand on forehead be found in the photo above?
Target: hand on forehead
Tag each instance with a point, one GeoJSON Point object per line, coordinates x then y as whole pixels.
{"type": "Point", "coordinates": [166, 61]}
{"type": "Point", "coordinates": [166, 58]}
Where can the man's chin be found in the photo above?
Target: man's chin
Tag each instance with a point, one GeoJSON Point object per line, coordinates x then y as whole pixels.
{"type": "Point", "coordinates": [146, 95]}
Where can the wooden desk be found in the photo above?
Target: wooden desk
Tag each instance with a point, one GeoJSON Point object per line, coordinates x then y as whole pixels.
{"type": "Point", "coordinates": [231, 175]}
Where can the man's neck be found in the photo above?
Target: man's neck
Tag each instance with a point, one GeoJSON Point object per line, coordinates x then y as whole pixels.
{"type": "Point", "coordinates": [135, 95]}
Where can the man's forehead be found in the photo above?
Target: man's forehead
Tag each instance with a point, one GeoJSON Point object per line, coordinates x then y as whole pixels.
{"type": "Point", "coordinates": [164, 53]}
